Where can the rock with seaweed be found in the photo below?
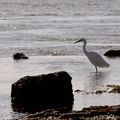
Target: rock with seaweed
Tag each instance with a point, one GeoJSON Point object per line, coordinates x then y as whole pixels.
{"type": "Point", "coordinates": [36, 93]}
{"type": "Point", "coordinates": [113, 88]}
{"type": "Point", "coordinates": [90, 113]}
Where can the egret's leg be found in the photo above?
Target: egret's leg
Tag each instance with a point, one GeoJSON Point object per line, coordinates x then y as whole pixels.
{"type": "Point", "coordinates": [96, 69]}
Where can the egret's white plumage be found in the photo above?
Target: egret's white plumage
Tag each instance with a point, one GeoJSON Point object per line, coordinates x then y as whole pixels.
{"type": "Point", "coordinates": [94, 57]}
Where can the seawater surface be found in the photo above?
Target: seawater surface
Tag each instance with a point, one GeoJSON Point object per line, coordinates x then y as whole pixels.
{"type": "Point", "coordinates": [45, 31]}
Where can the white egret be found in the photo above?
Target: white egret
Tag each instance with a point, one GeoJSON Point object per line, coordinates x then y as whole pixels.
{"type": "Point", "coordinates": [94, 57]}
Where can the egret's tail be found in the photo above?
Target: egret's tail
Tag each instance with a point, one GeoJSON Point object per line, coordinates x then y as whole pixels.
{"type": "Point", "coordinates": [106, 65]}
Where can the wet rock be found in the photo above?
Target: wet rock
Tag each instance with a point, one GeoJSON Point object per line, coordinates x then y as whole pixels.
{"type": "Point", "coordinates": [112, 53]}
{"type": "Point", "coordinates": [18, 56]}
{"type": "Point", "coordinates": [89, 93]}
{"type": "Point", "coordinates": [78, 91]}
{"type": "Point", "coordinates": [91, 113]}
{"type": "Point", "coordinates": [36, 93]}
{"type": "Point", "coordinates": [107, 89]}
{"type": "Point", "coordinates": [99, 92]}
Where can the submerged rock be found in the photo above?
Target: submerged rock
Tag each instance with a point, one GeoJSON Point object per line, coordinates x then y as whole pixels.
{"type": "Point", "coordinates": [99, 92]}
{"type": "Point", "coordinates": [18, 56]}
{"type": "Point", "coordinates": [78, 91]}
{"type": "Point", "coordinates": [36, 93]}
{"type": "Point", "coordinates": [112, 53]}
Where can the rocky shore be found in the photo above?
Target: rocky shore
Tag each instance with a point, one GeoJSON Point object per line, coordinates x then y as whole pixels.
{"type": "Point", "coordinates": [50, 97]}
{"type": "Point", "coordinates": [91, 113]}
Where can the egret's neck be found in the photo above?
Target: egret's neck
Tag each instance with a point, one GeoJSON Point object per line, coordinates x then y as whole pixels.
{"type": "Point", "coordinates": [84, 48]}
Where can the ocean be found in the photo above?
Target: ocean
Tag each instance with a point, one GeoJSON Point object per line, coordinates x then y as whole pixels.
{"type": "Point", "coordinates": [45, 31]}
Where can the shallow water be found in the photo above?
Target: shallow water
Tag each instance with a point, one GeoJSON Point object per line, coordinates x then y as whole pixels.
{"type": "Point", "coordinates": [45, 31]}
{"type": "Point", "coordinates": [82, 72]}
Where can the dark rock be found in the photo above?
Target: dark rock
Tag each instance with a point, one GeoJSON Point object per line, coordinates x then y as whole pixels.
{"type": "Point", "coordinates": [18, 56]}
{"type": "Point", "coordinates": [112, 53]}
{"type": "Point", "coordinates": [99, 92]}
{"type": "Point", "coordinates": [36, 93]}
{"type": "Point", "coordinates": [78, 91]}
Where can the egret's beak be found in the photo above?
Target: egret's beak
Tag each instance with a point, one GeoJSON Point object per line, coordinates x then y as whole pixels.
{"type": "Point", "coordinates": [77, 41]}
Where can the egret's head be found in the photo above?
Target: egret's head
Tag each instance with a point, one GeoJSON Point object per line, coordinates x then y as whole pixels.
{"type": "Point", "coordinates": [81, 40]}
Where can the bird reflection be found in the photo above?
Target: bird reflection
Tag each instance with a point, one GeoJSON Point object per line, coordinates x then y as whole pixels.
{"type": "Point", "coordinates": [98, 75]}
{"type": "Point", "coordinates": [97, 82]}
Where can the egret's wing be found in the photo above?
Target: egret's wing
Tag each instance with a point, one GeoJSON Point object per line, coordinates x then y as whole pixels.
{"type": "Point", "coordinates": [97, 60]}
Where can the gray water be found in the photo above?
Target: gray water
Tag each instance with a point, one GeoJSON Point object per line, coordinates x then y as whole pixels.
{"type": "Point", "coordinates": [45, 31]}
